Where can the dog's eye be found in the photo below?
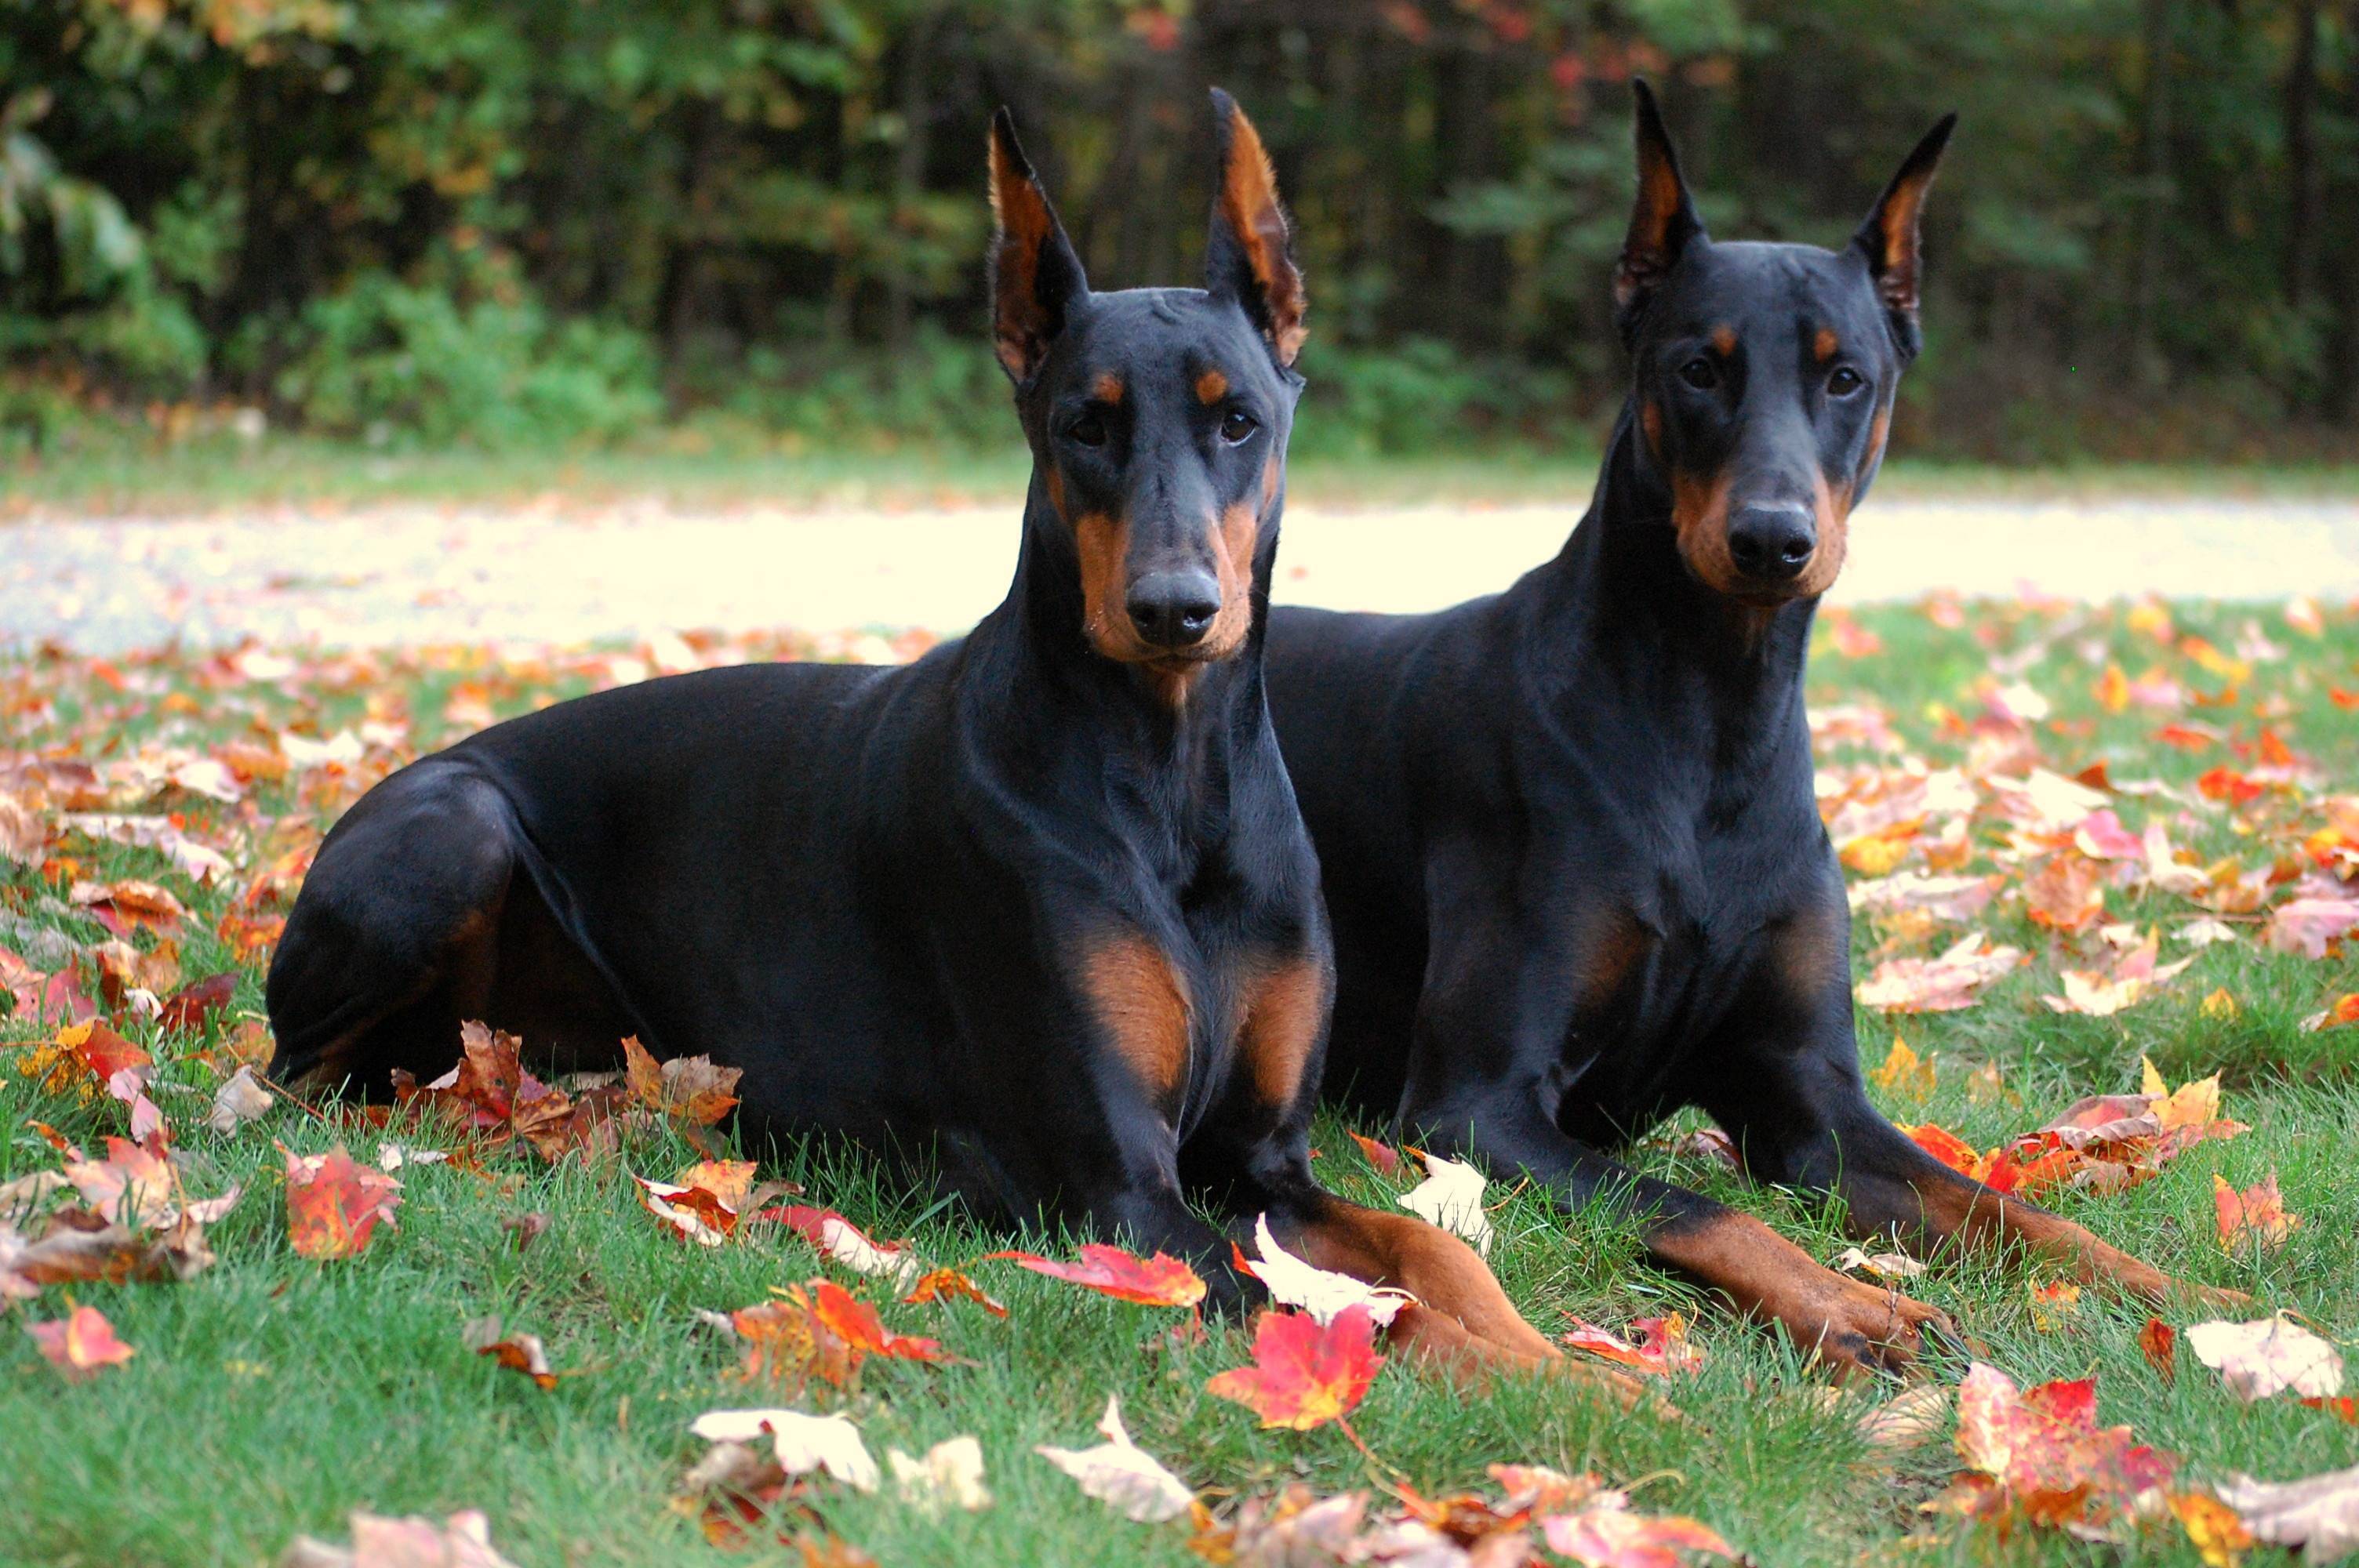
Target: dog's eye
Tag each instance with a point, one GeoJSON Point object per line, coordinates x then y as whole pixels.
{"type": "Point", "coordinates": [1700, 373]}
{"type": "Point", "coordinates": [1088, 430]}
{"type": "Point", "coordinates": [1236, 425]}
{"type": "Point", "coordinates": [1843, 381]}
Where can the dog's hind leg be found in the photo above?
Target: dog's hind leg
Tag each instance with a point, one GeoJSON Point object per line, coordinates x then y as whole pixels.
{"type": "Point", "coordinates": [395, 937]}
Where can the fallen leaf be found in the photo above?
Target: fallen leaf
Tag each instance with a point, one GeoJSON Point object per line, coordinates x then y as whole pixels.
{"type": "Point", "coordinates": [948, 1284]}
{"type": "Point", "coordinates": [1659, 1346]}
{"type": "Point", "coordinates": [841, 1241]}
{"type": "Point", "coordinates": [81, 1344]}
{"type": "Point", "coordinates": [1121, 1474]}
{"type": "Point", "coordinates": [2320, 1515]}
{"type": "Point", "coordinates": [2212, 1526]}
{"type": "Point", "coordinates": [1904, 1073]}
{"type": "Point", "coordinates": [949, 1476]}
{"type": "Point", "coordinates": [1909, 1419]}
{"type": "Point", "coordinates": [2268, 1355]}
{"type": "Point", "coordinates": [1451, 1196]}
{"type": "Point", "coordinates": [239, 1100]}
{"type": "Point", "coordinates": [1882, 1265]}
{"type": "Point", "coordinates": [803, 1442]}
{"type": "Point", "coordinates": [689, 1088]}
{"type": "Point", "coordinates": [2101, 993]}
{"type": "Point", "coordinates": [1304, 1374]}
{"type": "Point", "coordinates": [2040, 1454]}
{"type": "Point", "coordinates": [462, 1540]}
{"type": "Point", "coordinates": [527, 1229]}
{"type": "Point", "coordinates": [1322, 1292]}
{"type": "Point", "coordinates": [1383, 1156]}
{"type": "Point", "coordinates": [2159, 1342]}
{"type": "Point", "coordinates": [1944, 984]}
{"type": "Point", "coordinates": [188, 1008]}
{"type": "Point", "coordinates": [518, 1352]}
{"type": "Point", "coordinates": [1606, 1534]}
{"type": "Point", "coordinates": [2053, 1305]}
{"type": "Point", "coordinates": [332, 1204]}
{"type": "Point", "coordinates": [2254, 1218]}
{"type": "Point", "coordinates": [2307, 926]}
{"type": "Point", "coordinates": [1159, 1280]}
{"type": "Point", "coordinates": [2066, 893]}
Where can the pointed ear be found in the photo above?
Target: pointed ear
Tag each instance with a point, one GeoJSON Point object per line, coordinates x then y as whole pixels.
{"type": "Point", "coordinates": [1662, 223]}
{"type": "Point", "coordinates": [1035, 275]}
{"type": "Point", "coordinates": [1888, 238]}
{"type": "Point", "coordinates": [1250, 256]}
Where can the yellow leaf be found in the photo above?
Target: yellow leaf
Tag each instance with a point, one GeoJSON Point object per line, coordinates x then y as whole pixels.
{"type": "Point", "coordinates": [2214, 1528]}
{"type": "Point", "coordinates": [2149, 1081]}
{"type": "Point", "coordinates": [1904, 1072]}
{"type": "Point", "coordinates": [2219, 1004]}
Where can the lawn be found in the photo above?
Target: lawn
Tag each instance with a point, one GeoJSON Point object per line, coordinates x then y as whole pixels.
{"type": "Point", "coordinates": [273, 1394]}
{"type": "Point", "coordinates": [110, 474]}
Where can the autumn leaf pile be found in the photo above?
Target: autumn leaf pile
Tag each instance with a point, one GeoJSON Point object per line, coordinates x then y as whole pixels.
{"type": "Point", "coordinates": [2104, 872]}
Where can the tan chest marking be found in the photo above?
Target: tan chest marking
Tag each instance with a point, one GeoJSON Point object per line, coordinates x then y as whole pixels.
{"type": "Point", "coordinates": [1281, 1019]}
{"type": "Point", "coordinates": [1142, 1003]}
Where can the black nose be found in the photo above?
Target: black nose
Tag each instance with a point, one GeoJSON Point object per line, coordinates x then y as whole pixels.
{"type": "Point", "coordinates": [1174, 610]}
{"type": "Point", "coordinates": [1771, 543]}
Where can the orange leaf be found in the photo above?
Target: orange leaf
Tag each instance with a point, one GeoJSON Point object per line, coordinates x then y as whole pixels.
{"type": "Point", "coordinates": [1302, 1375]}
{"type": "Point", "coordinates": [689, 1087]}
{"type": "Point", "coordinates": [334, 1205]}
{"type": "Point", "coordinates": [2040, 1452]}
{"type": "Point", "coordinates": [1159, 1280]}
{"type": "Point", "coordinates": [1659, 1346]}
{"type": "Point", "coordinates": [80, 1343]}
{"type": "Point", "coordinates": [948, 1284]}
{"type": "Point", "coordinates": [2256, 1216]}
{"type": "Point", "coordinates": [2343, 1407]}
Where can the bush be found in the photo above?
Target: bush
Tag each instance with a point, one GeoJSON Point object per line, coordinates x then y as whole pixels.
{"type": "Point", "coordinates": [427, 363]}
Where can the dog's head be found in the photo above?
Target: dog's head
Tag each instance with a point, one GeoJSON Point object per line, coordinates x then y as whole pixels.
{"type": "Point", "coordinates": [1158, 417]}
{"type": "Point", "coordinates": [1764, 375]}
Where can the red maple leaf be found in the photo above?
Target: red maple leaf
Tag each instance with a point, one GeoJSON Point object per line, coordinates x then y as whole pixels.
{"type": "Point", "coordinates": [334, 1205]}
{"type": "Point", "coordinates": [189, 1006]}
{"type": "Point", "coordinates": [1302, 1375]}
{"type": "Point", "coordinates": [1159, 1280]}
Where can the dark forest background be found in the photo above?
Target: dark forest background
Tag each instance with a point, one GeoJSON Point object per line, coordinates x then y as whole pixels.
{"type": "Point", "coordinates": [761, 221]}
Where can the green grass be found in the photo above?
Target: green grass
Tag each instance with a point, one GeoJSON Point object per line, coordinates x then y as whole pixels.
{"type": "Point", "coordinates": [218, 473]}
{"type": "Point", "coordinates": [274, 1393]}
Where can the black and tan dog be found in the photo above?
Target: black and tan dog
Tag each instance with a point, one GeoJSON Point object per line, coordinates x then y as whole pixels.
{"type": "Point", "coordinates": [1571, 844]}
{"type": "Point", "coordinates": [1039, 904]}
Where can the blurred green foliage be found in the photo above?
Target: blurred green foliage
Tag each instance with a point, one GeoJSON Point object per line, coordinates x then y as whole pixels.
{"type": "Point", "coordinates": [758, 223]}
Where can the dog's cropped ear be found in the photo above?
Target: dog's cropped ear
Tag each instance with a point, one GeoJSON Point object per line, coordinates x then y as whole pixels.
{"type": "Point", "coordinates": [1035, 276]}
{"type": "Point", "coordinates": [1663, 221]}
{"type": "Point", "coordinates": [1250, 256]}
{"type": "Point", "coordinates": [1889, 238]}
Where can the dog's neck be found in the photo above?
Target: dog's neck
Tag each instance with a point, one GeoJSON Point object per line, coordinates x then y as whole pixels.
{"type": "Point", "coordinates": [1660, 638]}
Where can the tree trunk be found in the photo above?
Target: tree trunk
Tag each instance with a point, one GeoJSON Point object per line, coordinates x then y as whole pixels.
{"type": "Point", "coordinates": [2155, 198]}
{"type": "Point", "coordinates": [2302, 153]}
{"type": "Point", "coordinates": [909, 167]}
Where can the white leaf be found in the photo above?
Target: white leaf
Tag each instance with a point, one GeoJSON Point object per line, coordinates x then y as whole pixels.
{"type": "Point", "coordinates": [1882, 1265]}
{"type": "Point", "coordinates": [1452, 1197]}
{"type": "Point", "coordinates": [1322, 1292]}
{"type": "Point", "coordinates": [238, 1102]}
{"type": "Point", "coordinates": [803, 1442]}
{"type": "Point", "coordinates": [949, 1476]}
{"type": "Point", "coordinates": [1123, 1476]}
{"type": "Point", "coordinates": [2320, 1515]}
{"type": "Point", "coordinates": [844, 1242]}
{"type": "Point", "coordinates": [2275, 1354]}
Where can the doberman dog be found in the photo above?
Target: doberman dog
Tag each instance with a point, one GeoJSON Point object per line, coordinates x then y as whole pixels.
{"type": "Point", "coordinates": [1571, 844]}
{"type": "Point", "coordinates": [1039, 906]}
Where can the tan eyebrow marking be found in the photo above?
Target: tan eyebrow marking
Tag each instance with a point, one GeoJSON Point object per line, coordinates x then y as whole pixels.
{"type": "Point", "coordinates": [1210, 387]}
{"type": "Point", "coordinates": [1107, 388]}
{"type": "Point", "coordinates": [1723, 339]}
{"type": "Point", "coordinates": [1824, 345]}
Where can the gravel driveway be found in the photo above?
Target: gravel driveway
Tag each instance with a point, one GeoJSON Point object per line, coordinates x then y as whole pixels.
{"type": "Point", "coordinates": [427, 573]}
